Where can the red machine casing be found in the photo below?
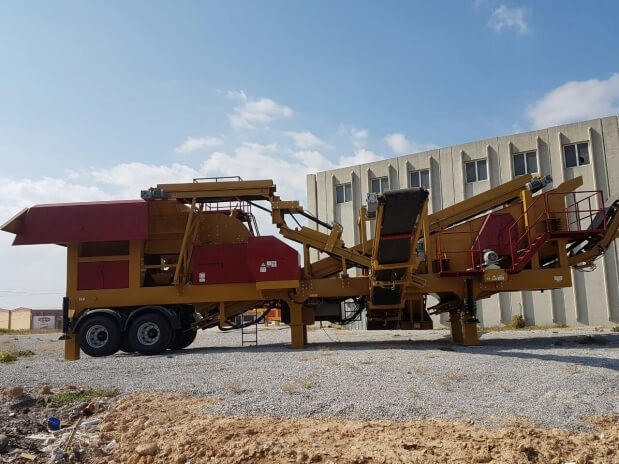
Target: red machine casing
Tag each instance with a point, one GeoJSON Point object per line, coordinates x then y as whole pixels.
{"type": "Point", "coordinates": [260, 259]}
{"type": "Point", "coordinates": [102, 275]}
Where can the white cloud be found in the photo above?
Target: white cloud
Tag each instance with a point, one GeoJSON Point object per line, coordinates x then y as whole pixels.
{"type": "Point", "coordinates": [16, 194]}
{"type": "Point", "coordinates": [192, 144]}
{"type": "Point", "coordinates": [361, 156]}
{"type": "Point", "coordinates": [258, 161]}
{"type": "Point", "coordinates": [306, 139]}
{"type": "Point", "coordinates": [504, 18]}
{"type": "Point", "coordinates": [237, 95]}
{"type": "Point", "coordinates": [128, 179]}
{"type": "Point", "coordinates": [255, 111]}
{"type": "Point", "coordinates": [576, 101]}
{"type": "Point", "coordinates": [400, 145]}
{"type": "Point", "coordinates": [313, 161]}
{"type": "Point", "coordinates": [358, 137]}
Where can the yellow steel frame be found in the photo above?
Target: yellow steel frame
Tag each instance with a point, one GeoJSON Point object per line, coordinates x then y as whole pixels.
{"type": "Point", "coordinates": [329, 278]}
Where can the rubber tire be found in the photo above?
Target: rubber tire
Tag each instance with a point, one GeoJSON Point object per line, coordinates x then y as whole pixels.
{"type": "Point", "coordinates": [108, 326]}
{"type": "Point", "coordinates": [183, 338]}
{"type": "Point", "coordinates": [125, 346]}
{"type": "Point", "coordinates": [163, 333]}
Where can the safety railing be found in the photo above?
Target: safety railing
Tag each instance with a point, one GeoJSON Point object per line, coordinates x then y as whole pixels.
{"type": "Point", "coordinates": [446, 259]}
{"type": "Point", "coordinates": [576, 219]}
{"type": "Point", "coordinates": [582, 214]}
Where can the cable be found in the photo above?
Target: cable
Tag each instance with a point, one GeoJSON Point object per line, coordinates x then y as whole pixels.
{"type": "Point", "coordinates": [360, 304]}
{"type": "Point", "coordinates": [245, 324]}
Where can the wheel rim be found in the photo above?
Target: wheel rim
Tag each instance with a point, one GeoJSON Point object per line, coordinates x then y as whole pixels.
{"type": "Point", "coordinates": [148, 333]}
{"type": "Point", "coordinates": [97, 336]}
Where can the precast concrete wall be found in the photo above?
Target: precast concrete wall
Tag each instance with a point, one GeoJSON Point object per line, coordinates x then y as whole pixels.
{"type": "Point", "coordinates": [594, 298]}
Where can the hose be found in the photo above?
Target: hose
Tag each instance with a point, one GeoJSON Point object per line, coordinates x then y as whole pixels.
{"type": "Point", "coordinates": [243, 325]}
{"type": "Point", "coordinates": [360, 303]}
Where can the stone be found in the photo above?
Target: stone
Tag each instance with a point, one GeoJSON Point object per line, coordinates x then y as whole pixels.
{"type": "Point", "coordinates": [147, 449]}
{"type": "Point", "coordinates": [4, 442]}
{"type": "Point", "coordinates": [15, 392]}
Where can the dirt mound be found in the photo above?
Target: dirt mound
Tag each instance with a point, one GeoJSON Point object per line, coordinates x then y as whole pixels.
{"type": "Point", "coordinates": [150, 428]}
{"type": "Point", "coordinates": [166, 428]}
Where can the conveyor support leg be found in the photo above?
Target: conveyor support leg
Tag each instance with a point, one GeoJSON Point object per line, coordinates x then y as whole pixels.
{"type": "Point", "coordinates": [463, 330]}
{"type": "Point", "coordinates": [469, 332]}
{"type": "Point", "coordinates": [298, 330]}
{"type": "Point", "coordinates": [71, 348]}
{"type": "Point", "coordinates": [457, 335]}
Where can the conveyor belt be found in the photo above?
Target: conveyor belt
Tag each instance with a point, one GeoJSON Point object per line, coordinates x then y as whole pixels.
{"type": "Point", "coordinates": [395, 232]}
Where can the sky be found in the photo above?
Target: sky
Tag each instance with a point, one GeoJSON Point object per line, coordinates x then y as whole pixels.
{"type": "Point", "coordinates": [99, 100]}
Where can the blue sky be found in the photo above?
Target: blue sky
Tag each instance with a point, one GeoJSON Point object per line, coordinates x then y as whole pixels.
{"type": "Point", "coordinates": [99, 100]}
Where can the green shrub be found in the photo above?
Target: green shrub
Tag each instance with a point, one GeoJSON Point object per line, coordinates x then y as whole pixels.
{"type": "Point", "coordinates": [82, 396]}
{"type": "Point", "coordinates": [7, 356]}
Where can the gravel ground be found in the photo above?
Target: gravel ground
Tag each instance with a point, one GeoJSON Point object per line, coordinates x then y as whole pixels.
{"type": "Point", "coordinates": [554, 378]}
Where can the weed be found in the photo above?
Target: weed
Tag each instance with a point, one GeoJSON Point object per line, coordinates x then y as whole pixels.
{"type": "Point", "coordinates": [352, 366]}
{"type": "Point", "coordinates": [81, 396]}
{"type": "Point", "coordinates": [503, 386]}
{"type": "Point", "coordinates": [510, 326]}
{"type": "Point", "coordinates": [591, 340]}
{"type": "Point", "coordinates": [615, 328]}
{"type": "Point", "coordinates": [574, 369]}
{"type": "Point", "coordinates": [454, 377]}
{"type": "Point", "coordinates": [12, 332]}
{"type": "Point", "coordinates": [7, 356]}
{"type": "Point", "coordinates": [290, 388]}
{"type": "Point", "coordinates": [421, 369]}
{"type": "Point", "coordinates": [308, 382]}
{"type": "Point", "coordinates": [517, 322]}
{"type": "Point", "coordinates": [412, 391]}
{"type": "Point", "coordinates": [235, 387]}
{"type": "Point", "coordinates": [447, 380]}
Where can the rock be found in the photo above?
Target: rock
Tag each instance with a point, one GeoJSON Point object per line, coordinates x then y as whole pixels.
{"type": "Point", "coordinates": [15, 392]}
{"type": "Point", "coordinates": [147, 449]}
{"type": "Point", "coordinates": [4, 442]}
{"type": "Point", "coordinates": [484, 457]}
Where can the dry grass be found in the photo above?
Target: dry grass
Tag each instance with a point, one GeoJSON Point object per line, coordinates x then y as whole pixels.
{"type": "Point", "coordinates": [307, 382]}
{"type": "Point", "coordinates": [235, 387]}
{"type": "Point", "coordinates": [447, 381]}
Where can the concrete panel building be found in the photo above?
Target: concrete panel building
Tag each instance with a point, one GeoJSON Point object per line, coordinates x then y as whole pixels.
{"type": "Point", "coordinates": [31, 319]}
{"type": "Point", "coordinates": [589, 149]}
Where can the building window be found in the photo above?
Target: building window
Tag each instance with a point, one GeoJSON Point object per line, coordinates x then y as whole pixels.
{"type": "Point", "coordinates": [343, 192]}
{"type": "Point", "coordinates": [476, 170]}
{"type": "Point", "coordinates": [576, 154]}
{"type": "Point", "coordinates": [420, 178]}
{"type": "Point", "coordinates": [379, 184]}
{"type": "Point", "coordinates": [525, 163]}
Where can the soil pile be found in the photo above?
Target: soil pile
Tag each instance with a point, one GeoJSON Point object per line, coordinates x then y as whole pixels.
{"type": "Point", "coordinates": [150, 428]}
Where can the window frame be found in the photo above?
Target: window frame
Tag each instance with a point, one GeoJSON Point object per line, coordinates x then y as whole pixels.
{"type": "Point", "coordinates": [419, 178]}
{"type": "Point", "coordinates": [476, 163]}
{"type": "Point", "coordinates": [346, 187]}
{"type": "Point", "coordinates": [576, 146]}
{"type": "Point", "coordinates": [380, 181]}
{"type": "Point", "coordinates": [524, 155]}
